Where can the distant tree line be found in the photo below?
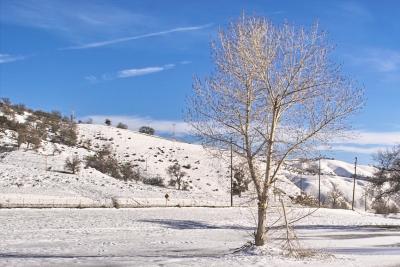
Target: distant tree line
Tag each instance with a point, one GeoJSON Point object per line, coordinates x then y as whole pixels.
{"type": "Point", "coordinates": [144, 129]}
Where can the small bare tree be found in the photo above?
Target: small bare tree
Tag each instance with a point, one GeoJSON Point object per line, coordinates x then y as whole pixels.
{"type": "Point", "coordinates": [240, 182]}
{"type": "Point", "coordinates": [176, 173]}
{"type": "Point", "coordinates": [336, 198]}
{"type": "Point", "coordinates": [386, 182]}
{"type": "Point", "coordinates": [275, 94]}
{"type": "Point", "coordinates": [73, 164]}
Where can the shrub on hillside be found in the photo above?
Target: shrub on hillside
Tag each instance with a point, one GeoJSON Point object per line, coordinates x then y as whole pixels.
{"type": "Point", "coordinates": [128, 173]}
{"type": "Point", "coordinates": [66, 133]}
{"type": "Point", "coordinates": [73, 164]}
{"type": "Point", "coordinates": [146, 130]}
{"type": "Point", "coordinates": [122, 126]}
{"type": "Point", "coordinates": [176, 174]}
{"type": "Point", "coordinates": [27, 134]}
{"type": "Point", "coordinates": [240, 183]}
{"type": "Point", "coordinates": [38, 126]}
{"type": "Point", "coordinates": [380, 206]}
{"type": "Point", "coordinates": [157, 181]}
{"type": "Point", "coordinates": [336, 199]}
{"type": "Point", "coordinates": [305, 200]}
{"type": "Point", "coordinates": [105, 162]}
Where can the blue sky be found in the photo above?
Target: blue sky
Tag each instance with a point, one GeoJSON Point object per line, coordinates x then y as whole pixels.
{"type": "Point", "coordinates": [134, 61]}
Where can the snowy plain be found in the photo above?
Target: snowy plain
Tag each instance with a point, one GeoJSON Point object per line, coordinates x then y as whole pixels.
{"type": "Point", "coordinates": [188, 237]}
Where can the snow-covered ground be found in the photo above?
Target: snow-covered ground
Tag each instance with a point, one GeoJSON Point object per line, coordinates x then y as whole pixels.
{"type": "Point", "coordinates": [161, 236]}
{"type": "Point", "coordinates": [188, 237]}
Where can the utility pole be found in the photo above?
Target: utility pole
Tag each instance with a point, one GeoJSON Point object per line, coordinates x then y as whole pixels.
{"type": "Point", "coordinates": [365, 199]}
{"type": "Point", "coordinates": [301, 184]}
{"type": "Point", "coordinates": [319, 181]}
{"type": "Point", "coordinates": [354, 182]}
{"type": "Point", "coordinates": [72, 116]}
{"type": "Point", "coordinates": [231, 173]}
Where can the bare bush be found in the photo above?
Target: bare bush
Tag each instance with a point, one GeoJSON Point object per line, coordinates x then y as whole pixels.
{"type": "Point", "coordinates": [147, 130]}
{"type": "Point", "coordinates": [380, 206]}
{"type": "Point", "coordinates": [121, 125]}
{"type": "Point", "coordinates": [105, 162]}
{"type": "Point", "coordinates": [240, 181]}
{"type": "Point", "coordinates": [73, 164]}
{"type": "Point", "coordinates": [386, 182]}
{"type": "Point", "coordinates": [305, 200]}
{"type": "Point", "coordinates": [157, 181]}
{"type": "Point", "coordinates": [176, 174]}
{"type": "Point", "coordinates": [336, 199]}
{"type": "Point", "coordinates": [128, 172]}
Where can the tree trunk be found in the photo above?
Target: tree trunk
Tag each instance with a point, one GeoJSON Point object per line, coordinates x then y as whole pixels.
{"type": "Point", "coordinates": [262, 223]}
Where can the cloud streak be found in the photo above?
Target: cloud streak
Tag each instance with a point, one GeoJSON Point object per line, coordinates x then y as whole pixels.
{"type": "Point", "coordinates": [144, 71]}
{"type": "Point", "coordinates": [78, 23]}
{"type": "Point", "coordinates": [371, 138]}
{"type": "Point", "coordinates": [355, 10]}
{"type": "Point", "coordinates": [364, 142]}
{"type": "Point", "coordinates": [137, 37]}
{"type": "Point", "coordinates": [134, 72]}
{"type": "Point", "coordinates": [380, 60]}
{"type": "Point", "coordinates": [355, 149]}
{"type": "Point", "coordinates": [6, 58]}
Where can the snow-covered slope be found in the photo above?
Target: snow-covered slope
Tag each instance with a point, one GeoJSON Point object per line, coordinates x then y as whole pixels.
{"type": "Point", "coordinates": [334, 173]}
{"type": "Point", "coordinates": [29, 176]}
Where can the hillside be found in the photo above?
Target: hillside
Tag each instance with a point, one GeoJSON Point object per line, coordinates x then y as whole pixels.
{"type": "Point", "coordinates": [39, 176]}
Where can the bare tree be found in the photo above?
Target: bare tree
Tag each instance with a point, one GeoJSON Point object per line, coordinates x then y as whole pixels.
{"type": "Point", "coordinates": [336, 198]}
{"type": "Point", "coordinates": [275, 94]}
{"type": "Point", "coordinates": [176, 173]}
{"type": "Point", "coordinates": [240, 182]}
{"type": "Point", "coordinates": [386, 182]}
{"type": "Point", "coordinates": [73, 164]}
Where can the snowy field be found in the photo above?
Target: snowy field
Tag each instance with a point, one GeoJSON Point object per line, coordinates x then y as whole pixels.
{"type": "Point", "coordinates": [187, 237]}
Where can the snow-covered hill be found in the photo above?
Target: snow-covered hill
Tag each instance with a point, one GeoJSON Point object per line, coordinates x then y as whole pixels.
{"type": "Point", "coordinates": [334, 174]}
{"type": "Point", "coordinates": [39, 176]}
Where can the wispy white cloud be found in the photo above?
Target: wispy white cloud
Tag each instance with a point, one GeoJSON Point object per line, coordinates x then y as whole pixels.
{"type": "Point", "coordinates": [138, 72]}
{"type": "Point", "coordinates": [355, 10]}
{"type": "Point", "coordinates": [357, 149]}
{"type": "Point", "coordinates": [130, 38]}
{"type": "Point", "coordinates": [364, 142]}
{"type": "Point", "coordinates": [76, 22]}
{"type": "Point", "coordinates": [6, 58]}
{"type": "Point", "coordinates": [179, 128]}
{"type": "Point", "coordinates": [134, 72]}
{"type": "Point", "coordinates": [144, 71]}
{"type": "Point", "coordinates": [184, 62]}
{"type": "Point", "coordinates": [91, 78]}
{"type": "Point", "coordinates": [378, 59]}
{"type": "Point", "coordinates": [362, 137]}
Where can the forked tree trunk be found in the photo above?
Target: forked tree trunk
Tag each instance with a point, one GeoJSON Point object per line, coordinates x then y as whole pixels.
{"type": "Point", "coordinates": [262, 223]}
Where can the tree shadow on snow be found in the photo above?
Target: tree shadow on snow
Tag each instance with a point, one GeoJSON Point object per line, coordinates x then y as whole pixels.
{"type": "Point", "coordinates": [370, 228]}
{"type": "Point", "coordinates": [190, 224]}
